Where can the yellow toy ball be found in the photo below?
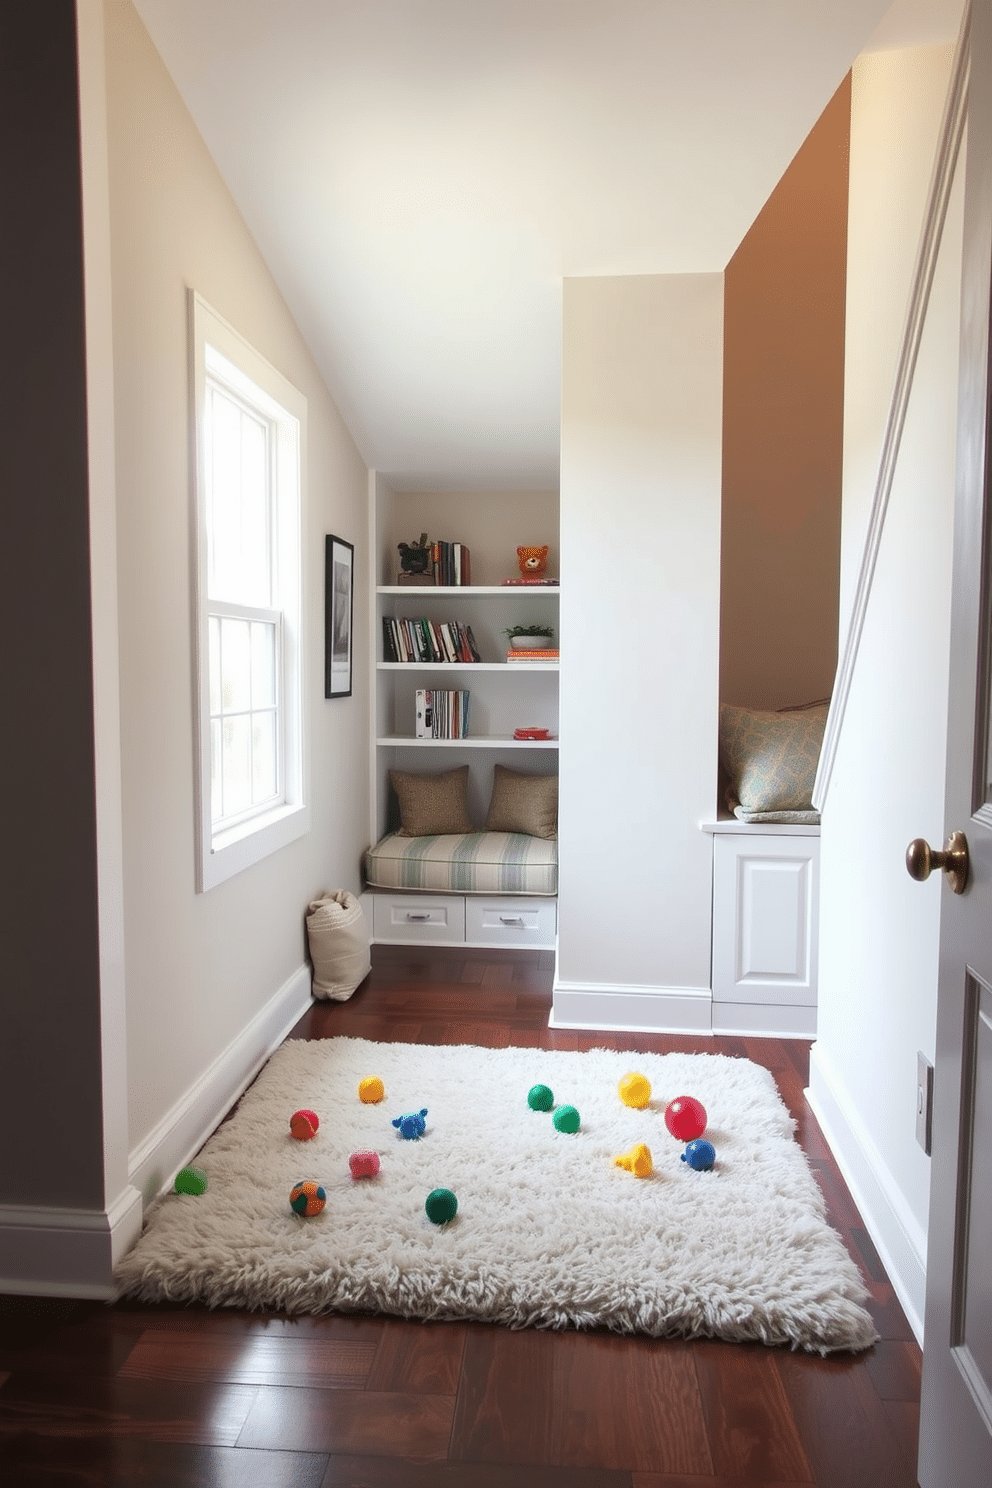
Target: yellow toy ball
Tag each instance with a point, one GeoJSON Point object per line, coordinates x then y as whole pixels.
{"type": "Point", "coordinates": [371, 1090]}
{"type": "Point", "coordinates": [636, 1161]}
{"type": "Point", "coordinates": [635, 1091]}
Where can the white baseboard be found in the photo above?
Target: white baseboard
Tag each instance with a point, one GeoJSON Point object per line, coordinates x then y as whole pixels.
{"type": "Point", "coordinates": [66, 1252]}
{"type": "Point", "coordinates": [619, 1009]}
{"type": "Point", "coordinates": [182, 1131]}
{"type": "Point", "coordinates": [764, 1020]}
{"type": "Point", "coordinates": [896, 1233]}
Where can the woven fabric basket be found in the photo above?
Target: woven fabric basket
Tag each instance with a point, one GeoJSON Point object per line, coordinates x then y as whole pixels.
{"type": "Point", "coordinates": [339, 944]}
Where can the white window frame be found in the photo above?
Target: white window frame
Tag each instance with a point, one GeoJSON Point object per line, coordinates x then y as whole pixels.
{"type": "Point", "coordinates": [218, 351]}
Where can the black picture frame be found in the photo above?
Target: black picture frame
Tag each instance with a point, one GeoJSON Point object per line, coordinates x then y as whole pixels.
{"type": "Point", "coordinates": [339, 615]}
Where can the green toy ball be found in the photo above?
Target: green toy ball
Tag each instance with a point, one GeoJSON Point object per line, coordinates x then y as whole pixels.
{"type": "Point", "coordinates": [191, 1181]}
{"type": "Point", "coordinates": [566, 1119]}
{"type": "Point", "coordinates": [441, 1206]}
{"type": "Point", "coordinates": [540, 1098]}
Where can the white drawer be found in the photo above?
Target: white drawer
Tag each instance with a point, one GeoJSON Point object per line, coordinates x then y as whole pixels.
{"type": "Point", "coordinates": [435, 918]}
{"type": "Point", "coordinates": [491, 920]}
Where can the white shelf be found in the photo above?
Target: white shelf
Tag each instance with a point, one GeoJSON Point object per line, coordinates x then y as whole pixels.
{"type": "Point", "coordinates": [470, 591]}
{"type": "Point", "coordinates": [474, 741]}
{"type": "Point", "coordinates": [466, 666]}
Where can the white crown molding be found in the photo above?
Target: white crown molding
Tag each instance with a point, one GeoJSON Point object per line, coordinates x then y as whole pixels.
{"type": "Point", "coordinates": [942, 180]}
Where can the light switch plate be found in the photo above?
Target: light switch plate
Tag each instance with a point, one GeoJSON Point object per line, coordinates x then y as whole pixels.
{"type": "Point", "coordinates": [924, 1102]}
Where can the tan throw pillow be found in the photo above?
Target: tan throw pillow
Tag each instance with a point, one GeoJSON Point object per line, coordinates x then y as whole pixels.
{"type": "Point", "coordinates": [432, 805]}
{"type": "Point", "coordinates": [523, 803]}
{"type": "Point", "coordinates": [771, 759]}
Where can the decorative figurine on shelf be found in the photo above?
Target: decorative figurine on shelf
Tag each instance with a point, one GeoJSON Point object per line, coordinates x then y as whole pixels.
{"type": "Point", "coordinates": [415, 557]}
{"type": "Point", "coordinates": [532, 561]}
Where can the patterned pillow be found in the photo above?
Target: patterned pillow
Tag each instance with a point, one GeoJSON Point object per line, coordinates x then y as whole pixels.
{"type": "Point", "coordinates": [432, 804]}
{"type": "Point", "coordinates": [523, 803]}
{"type": "Point", "coordinates": [771, 760]}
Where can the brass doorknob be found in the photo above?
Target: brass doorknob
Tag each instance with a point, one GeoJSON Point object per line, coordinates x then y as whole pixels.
{"type": "Point", "coordinates": [921, 858]}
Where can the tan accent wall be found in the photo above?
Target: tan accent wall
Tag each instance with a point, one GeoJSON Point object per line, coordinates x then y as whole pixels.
{"type": "Point", "coordinates": [783, 428]}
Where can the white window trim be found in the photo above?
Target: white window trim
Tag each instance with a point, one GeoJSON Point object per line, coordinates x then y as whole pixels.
{"type": "Point", "coordinates": [219, 856]}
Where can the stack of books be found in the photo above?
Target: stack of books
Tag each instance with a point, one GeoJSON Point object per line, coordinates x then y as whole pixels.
{"type": "Point", "coordinates": [420, 639]}
{"type": "Point", "coordinates": [441, 713]}
{"type": "Point", "coordinates": [550, 653]}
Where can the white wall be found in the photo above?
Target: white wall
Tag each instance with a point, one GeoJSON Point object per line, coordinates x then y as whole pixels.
{"type": "Point", "coordinates": [642, 369]}
{"type": "Point", "coordinates": [209, 977]}
{"type": "Point", "coordinates": [879, 929]}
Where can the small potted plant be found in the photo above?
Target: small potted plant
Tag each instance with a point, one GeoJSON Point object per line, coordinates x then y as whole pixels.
{"type": "Point", "coordinates": [530, 637]}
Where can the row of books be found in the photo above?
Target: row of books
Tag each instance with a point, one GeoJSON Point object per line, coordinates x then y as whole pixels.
{"type": "Point", "coordinates": [548, 654]}
{"type": "Point", "coordinates": [441, 713]}
{"type": "Point", "coordinates": [449, 564]}
{"type": "Point", "coordinates": [421, 639]}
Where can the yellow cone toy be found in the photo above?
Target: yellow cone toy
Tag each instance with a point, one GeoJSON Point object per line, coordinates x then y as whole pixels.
{"type": "Point", "coordinates": [636, 1161]}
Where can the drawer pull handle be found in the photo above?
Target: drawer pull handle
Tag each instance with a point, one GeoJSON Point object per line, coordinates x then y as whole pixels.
{"type": "Point", "coordinates": [511, 919]}
{"type": "Point", "coordinates": [411, 916]}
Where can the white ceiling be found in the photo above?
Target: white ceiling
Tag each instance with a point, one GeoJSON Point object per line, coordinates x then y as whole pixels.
{"type": "Point", "coordinates": [421, 174]}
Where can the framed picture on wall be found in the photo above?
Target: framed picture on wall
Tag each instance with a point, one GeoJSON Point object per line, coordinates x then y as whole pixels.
{"type": "Point", "coordinates": [339, 607]}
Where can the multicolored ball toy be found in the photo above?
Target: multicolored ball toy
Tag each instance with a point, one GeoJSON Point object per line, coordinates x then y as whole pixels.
{"type": "Point", "coordinates": [364, 1164]}
{"type": "Point", "coordinates": [540, 1098]}
{"type": "Point", "coordinates": [303, 1125]}
{"type": "Point", "coordinates": [566, 1119]}
{"type": "Point", "coordinates": [307, 1198]}
{"type": "Point", "coordinates": [441, 1206]}
{"type": "Point", "coordinates": [635, 1091]}
{"type": "Point", "coordinates": [700, 1155]}
{"type": "Point", "coordinates": [412, 1125]}
{"type": "Point", "coordinates": [685, 1118]}
{"type": "Point", "coordinates": [191, 1181]}
{"type": "Point", "coordinates": [371, 1090]}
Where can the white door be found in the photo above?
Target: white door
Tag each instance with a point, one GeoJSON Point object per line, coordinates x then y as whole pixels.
{"type": "Point", "coordinates": [956, 1417]}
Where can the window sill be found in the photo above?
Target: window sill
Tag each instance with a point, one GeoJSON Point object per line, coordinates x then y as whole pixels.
{"type": "Point", "coordinates": [248, 843]}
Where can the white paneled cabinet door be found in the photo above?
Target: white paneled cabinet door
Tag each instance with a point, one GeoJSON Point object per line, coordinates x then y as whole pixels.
{"type": "Point", "coordinates": [956, 1415]}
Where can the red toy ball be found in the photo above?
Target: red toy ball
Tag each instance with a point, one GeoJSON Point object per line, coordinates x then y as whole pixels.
{"type": "Point", "coordinates": [685, 1118]}
{"type": "Point", "coordinates": [303, 1125]}
{"type": "Point", "coordinates": [364, 1164]}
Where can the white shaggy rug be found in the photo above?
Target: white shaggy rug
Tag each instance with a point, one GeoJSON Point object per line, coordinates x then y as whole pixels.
{"type": "Point", "coordinates": [549, 1231]}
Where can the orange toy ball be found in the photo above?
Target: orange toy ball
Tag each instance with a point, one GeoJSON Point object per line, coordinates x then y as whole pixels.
{"type": "Point", "coordinates": [371, 1090]}
{"type": "Point", "coordinates": [307, 1198]}
{"type": "Point", "coordinates": [303, 1125]}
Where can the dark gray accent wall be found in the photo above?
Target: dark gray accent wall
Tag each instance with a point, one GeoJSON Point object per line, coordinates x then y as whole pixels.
{"type": "Point", "coordinates": [51, 1149]}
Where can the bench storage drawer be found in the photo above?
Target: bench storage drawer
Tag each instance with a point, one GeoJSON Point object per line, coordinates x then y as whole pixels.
{"type": "Point", "coordinates": [492, 920]}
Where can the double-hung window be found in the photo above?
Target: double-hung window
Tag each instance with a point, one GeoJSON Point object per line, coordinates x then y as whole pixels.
{"type": "Point", "coordinates": [249, 439]}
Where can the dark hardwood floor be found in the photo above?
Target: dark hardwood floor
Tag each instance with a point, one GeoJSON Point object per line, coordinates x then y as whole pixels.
{"type": "Point", "coordinates": [176, 1396]}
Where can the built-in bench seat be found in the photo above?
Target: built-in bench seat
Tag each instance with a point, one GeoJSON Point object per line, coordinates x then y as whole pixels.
{"type": "Point", "coordinates": [474, 888]}
{"type": "Point", "coordinates": [465, 863]}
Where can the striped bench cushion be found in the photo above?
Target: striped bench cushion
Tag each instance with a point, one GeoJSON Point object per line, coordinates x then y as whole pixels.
{"type": "Point", "coordinates": [467, 863]}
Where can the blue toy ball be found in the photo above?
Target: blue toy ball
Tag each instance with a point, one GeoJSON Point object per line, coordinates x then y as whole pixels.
{"type": "Point", "coordinates": [412, 1125]}
{"type": "Point", "coordinates": [700, 1155]}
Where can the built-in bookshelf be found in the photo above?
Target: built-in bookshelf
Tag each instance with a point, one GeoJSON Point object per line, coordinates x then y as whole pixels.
{"type": "Point", "coordinates": [443, 625]}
